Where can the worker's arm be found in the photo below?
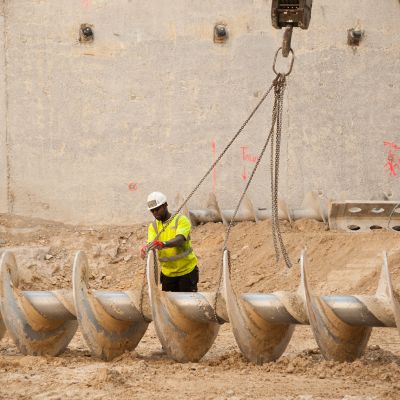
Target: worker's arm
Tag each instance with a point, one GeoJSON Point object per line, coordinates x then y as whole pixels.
{"type": "Point", "coordinates": [177, 241]}
{"type": "Point", "coordinates": [182, 233]}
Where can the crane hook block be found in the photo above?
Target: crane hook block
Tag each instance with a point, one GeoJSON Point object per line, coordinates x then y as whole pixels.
{"type": "Point", "coordinates": [291, 13]}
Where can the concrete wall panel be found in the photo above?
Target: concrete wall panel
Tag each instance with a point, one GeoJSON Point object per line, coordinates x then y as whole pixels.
{"type": "Point", "coordinates": [145, 101]}
{"type": "Point", "coordinates": [3, 120]}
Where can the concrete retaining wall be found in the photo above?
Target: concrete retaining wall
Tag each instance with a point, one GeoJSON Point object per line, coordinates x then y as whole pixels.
{"type": "Point", "coordinates": [3, 122]}
{"type": "Point", "coordinates": [145, 102]}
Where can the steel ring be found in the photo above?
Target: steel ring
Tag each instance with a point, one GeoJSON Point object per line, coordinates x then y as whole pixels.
{"type": "Point", "coordinates": [291, 63]}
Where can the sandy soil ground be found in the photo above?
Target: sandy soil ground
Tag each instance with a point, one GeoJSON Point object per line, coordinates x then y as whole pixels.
{"type": "Point", "coordinates": [339, 263]}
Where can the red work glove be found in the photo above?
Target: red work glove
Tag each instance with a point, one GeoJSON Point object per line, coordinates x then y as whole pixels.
{"type": "Point", "coordinates": [151, 246]}
{"type": "Point", "coordinates": [157, 245]}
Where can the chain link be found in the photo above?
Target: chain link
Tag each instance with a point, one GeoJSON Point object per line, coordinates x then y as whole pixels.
{"type": "Point", "coordinates": [279, 84]}
{"type": "Point", "coordinates": [272, 176]}
{"type": "Point", "coordinates": [275, 158]}
{"type": "Point", "coordinates": [231, 222]}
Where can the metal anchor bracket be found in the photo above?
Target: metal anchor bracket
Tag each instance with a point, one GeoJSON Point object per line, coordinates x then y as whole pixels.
{"type": "Point", "coordinates": [364, 216]}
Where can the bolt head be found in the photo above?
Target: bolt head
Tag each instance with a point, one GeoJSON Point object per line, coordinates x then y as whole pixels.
{"type": "Point", "coordinates": [220, 31]}
{"type": "Point", "coordinates": [356, 34]}
{"type": "Point", "coordinates": [87, 31]}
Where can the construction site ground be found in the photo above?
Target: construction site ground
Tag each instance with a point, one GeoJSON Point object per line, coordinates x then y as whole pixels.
{"type": "Point", "coordinates": [339, 263]}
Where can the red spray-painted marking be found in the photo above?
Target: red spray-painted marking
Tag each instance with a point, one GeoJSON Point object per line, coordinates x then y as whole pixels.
{"type": "Point", "coordinates": [132, 186]}
{"type": "Point", "coordinates": [86, 3]}
{"type": "Point", "coordinates": [214, 176]}
{"type": "Point", "coordinates": [392, 157]}
{"type": "Point", "coordinates": [244, 173]}
{"type": "Point", "coordinates": [246, 156]}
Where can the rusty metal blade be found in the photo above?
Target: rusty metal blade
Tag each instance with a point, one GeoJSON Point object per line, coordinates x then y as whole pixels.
{"type": "Point", "coordinates": [106, 336]}
{"type": "Point", "coordinates": [32, 333]}
{"type": "Point", "coordinates": [336, 339]}
{"type": "Point", "coordinates": [183, 338]}
{"type": "Point", "coordinates": [259, 340]}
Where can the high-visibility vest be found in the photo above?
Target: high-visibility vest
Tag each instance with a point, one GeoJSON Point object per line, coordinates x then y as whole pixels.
{"type": "Point", "coordinates": [175, 261]}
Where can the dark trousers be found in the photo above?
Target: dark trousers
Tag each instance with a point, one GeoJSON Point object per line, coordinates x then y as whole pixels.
{"type": "Point", "coordinates": [184, 283]}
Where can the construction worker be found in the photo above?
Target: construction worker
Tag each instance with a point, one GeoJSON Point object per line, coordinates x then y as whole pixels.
{"type": "Point", "coordinates": [179, 271]}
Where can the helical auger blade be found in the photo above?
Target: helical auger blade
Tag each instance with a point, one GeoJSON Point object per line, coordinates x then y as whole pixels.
{"type": "Point", "coordinates": [384, 306]}
{"type": "Point", "coordinates": [336, 339]}
{"type": "Point", "coordinates": [183, 338]}
{"type": "Point", "coordinates": [43, 322]}
{"type": "Point", "coordinates": [106, 336]}
{"type": "Point", "coordinates": [259, 340]}
{"type": "Point", "coordinates": [32, 333]}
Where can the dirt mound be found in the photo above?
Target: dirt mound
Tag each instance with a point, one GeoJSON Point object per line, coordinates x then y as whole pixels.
{"type": "Point", "coordinates": [45, 252]}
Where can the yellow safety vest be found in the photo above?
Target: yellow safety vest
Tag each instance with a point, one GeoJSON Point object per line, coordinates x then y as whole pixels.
{"type": "Point", "coordinates": [175, 261]}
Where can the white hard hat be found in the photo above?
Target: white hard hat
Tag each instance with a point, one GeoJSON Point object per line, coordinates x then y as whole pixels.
{"type": "Point", "coordinates": [156, 199]}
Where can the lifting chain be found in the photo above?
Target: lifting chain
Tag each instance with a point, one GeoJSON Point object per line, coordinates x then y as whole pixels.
{"type": "Point", "coordinates": [279, 85]}
{"type": "Point", "coordinates": [274, 169]}
{"type": "Point", "coordinates": [235, 136]}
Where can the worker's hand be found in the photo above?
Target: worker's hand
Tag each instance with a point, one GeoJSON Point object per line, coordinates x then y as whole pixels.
{"type": "Point", "coordinates": [157, 245]}
{"type": "Point", "coordinates": [143, 252]}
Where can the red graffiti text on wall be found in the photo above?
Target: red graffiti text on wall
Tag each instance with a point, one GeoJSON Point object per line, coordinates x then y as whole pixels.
{"type": "Point", "coordinates": [246, 156]}
{"type": "Point", "coordinates": [392, 158]}
{"type": "Point", "coordinates": [132, 186]}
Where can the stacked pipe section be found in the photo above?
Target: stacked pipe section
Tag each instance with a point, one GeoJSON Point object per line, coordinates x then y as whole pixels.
{"type": "Point", "coordinates": [314, 206]}
{"type": "Point", "coordinates": [344, 215]}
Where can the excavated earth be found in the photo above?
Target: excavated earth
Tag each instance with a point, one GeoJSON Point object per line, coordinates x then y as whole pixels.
{"type": "Point", "coordinates": [339, 263]}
